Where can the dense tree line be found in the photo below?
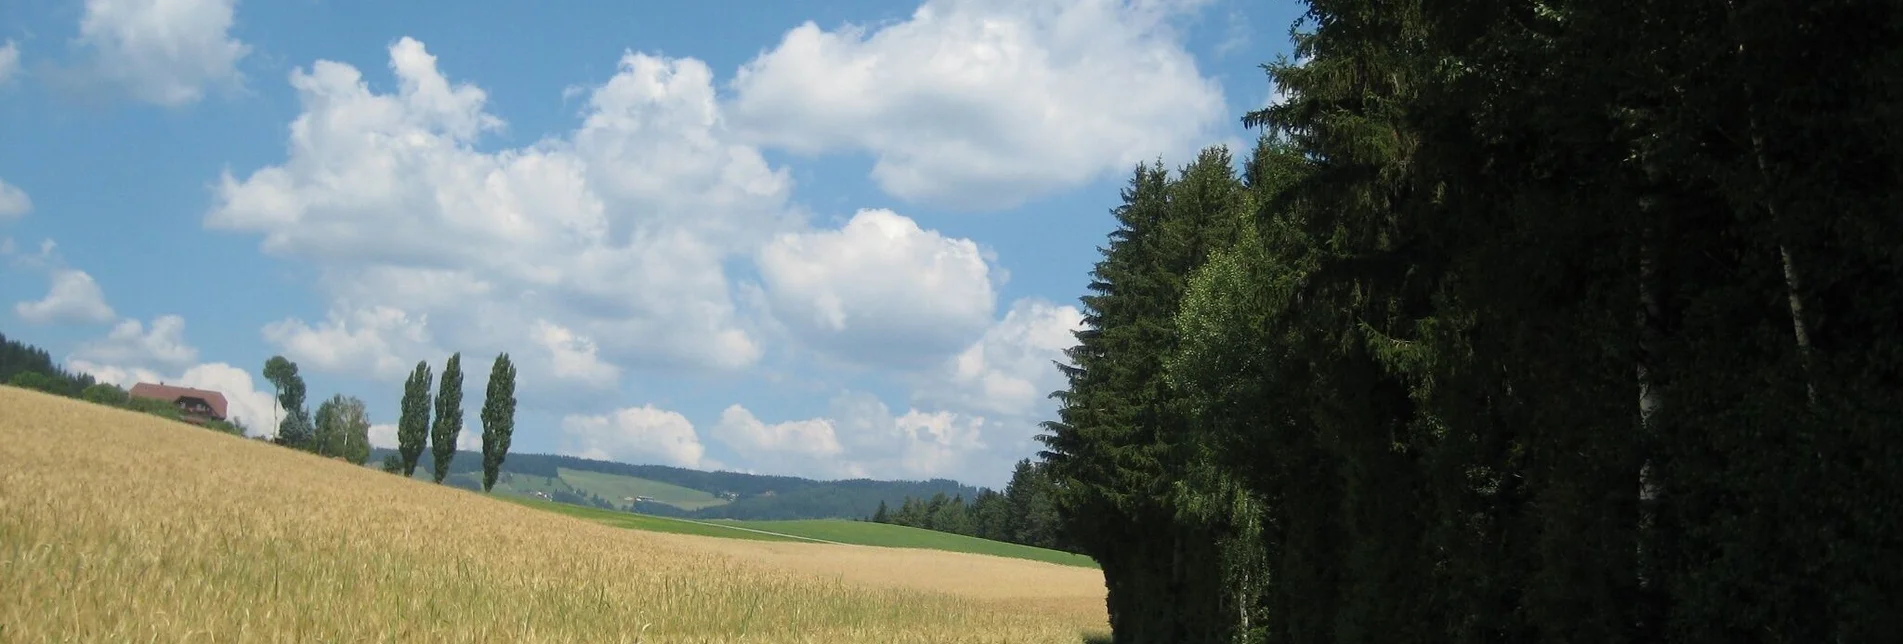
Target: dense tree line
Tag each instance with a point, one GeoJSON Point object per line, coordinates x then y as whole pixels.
{"type": "Point", "coordinates": [418, 429]}
{"type": "Point", "coordinates": [29, 367]}
{"type": "Point", "coordinates": [1524, 321]}
{"type": "Point", "coordinates": [1023, 513]}
{"type": "Point", "coordinates": [340, 428]}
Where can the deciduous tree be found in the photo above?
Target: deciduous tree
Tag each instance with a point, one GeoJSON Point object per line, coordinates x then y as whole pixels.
{"type": "Point", "coordinates": [498, 419]}
{"type": "Point", "coordinates": [449, 416]}
{"type": "Point", "coordinates": [413, 421]}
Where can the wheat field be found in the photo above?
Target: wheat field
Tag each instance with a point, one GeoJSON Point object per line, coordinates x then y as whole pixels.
{"type": "Point", "coordinates": [121, 527]}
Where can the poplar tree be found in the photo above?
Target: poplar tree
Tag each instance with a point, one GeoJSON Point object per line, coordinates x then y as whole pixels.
{"type": "Point", "coordinates": [498, 419]}
{"type": "Point", "coordinates": [449, 416]}
{"type": "Point", "coordinates": [413, 423]}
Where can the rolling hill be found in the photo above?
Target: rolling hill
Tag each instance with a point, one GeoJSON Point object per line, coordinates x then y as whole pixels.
{"type": "Point", "coordinates": [685, 493]}
{"type": "Point", "coordinates": [121, 526]}
{"type": "Point", "coordinates": [833, 531]}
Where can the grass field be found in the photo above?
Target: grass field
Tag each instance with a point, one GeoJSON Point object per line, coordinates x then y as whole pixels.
{"type": "Point", "coordinates": [119, 526]}
{"type": "Point", "coordinates": [896, 536]}
{"type": "Point", "coordinates": [612, 487]}
{"type": "Point", "coordinates": [633, 521]}
{"type": "Point", "coordinates": [615, 487]}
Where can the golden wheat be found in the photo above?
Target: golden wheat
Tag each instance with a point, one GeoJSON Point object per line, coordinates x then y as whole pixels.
{"type": "Point", "coordinates": [116, 526]}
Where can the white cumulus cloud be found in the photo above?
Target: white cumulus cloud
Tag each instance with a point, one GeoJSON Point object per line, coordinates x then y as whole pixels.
{"type": "Point", "coordinates": [917, 444]}
{"type": "Point", "coordinates": [1011, 370]}
{"type": "Point", "coordinates": [164, 52]}
{"type": "Point", "coordinates": [573, 357]}
{"type": "Point", "coordinates": [9, 60]}
{"type": "Point", "coordinates": [380, 343]}
{"type": "Point", "coordinates": [14, 202]}
{"type": "Point", "coordinates": [72, 297]}
{"type": "Point", "coordinates": [988, 103]}
{"type": "Point", "coordinates": [808, 447]}
{"type": "Point", "coordinates": [642, 434]}
{"type": "Point", "coordinates": [603, 248]}
{"type": "Point", "coordinates": [881, 289]}
{"type": "Point", "coordinates": [162, 344]}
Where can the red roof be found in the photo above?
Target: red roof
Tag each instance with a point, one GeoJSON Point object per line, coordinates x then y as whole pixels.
{"type": "Point", "coordinates": [170, 393]}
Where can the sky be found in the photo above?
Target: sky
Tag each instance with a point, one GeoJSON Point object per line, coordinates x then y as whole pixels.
{"type": "Point", "coordinates": [831, 239]}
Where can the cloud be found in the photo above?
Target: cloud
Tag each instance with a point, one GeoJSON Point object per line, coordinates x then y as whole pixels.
{"type": "Point", "coordinates": [1011, 370]}
{"type": "Point", "coordinates": [1236, 34]}
{"type": "Point", "coordinates": [738, 428]}
{"type": "Point", "coordinates": [380, 343]}
{"type": "Point", "coordinates": [603, 248]}
{"type": "Point", "coordinates": [132, 343]}
{"type": "Point", "coordinates": [573, 357]}
{"type": "Point", "coordinates": [881, 289]}
{"type": "Point", "coordinates": [14, 202]}
{"type": "Point", "coordinates": [9, 60]}
{"type": "Point", "coordinates": [807, 448]}
{"type": "Point", "coordinates": [635, 435]}
{"type": "Point", "coordinates": [133, 353]}
{"type": "Point", "coordinates": [384, 435]}
{"type": "Point", "coordinates": [987, 103]}
{"type": "Point", "coordinates": [72, 298]}
{"type": "Point", "coordinates": [244, 402]}
{"type": "Point", "coordinates": [164, 53]}
{"type": "Point", "coordinates": [914, 445]}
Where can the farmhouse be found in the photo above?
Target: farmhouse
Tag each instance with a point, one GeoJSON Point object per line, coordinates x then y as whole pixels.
{"type": "Point", "coordinates": [195, 405]}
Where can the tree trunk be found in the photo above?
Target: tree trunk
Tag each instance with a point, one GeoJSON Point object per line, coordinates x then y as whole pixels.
{"type": "Point", "coordinates": [1649, 321]}
{"type": "Point", "coordinates": [1792, 291]}
{"type": "Point", "coordinates": [1796, 298]}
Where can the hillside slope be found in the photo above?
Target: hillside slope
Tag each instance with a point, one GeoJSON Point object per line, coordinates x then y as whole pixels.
{"type": "Point", "coordinates": [685, 493]}
{"type": "Point", "coordinates": [120, 526]}
{"type": "Point", "coordinates": [886, 535]}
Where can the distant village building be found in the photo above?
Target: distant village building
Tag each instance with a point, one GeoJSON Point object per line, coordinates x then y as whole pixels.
{"type": "Point", "coordinates": [195, 405]}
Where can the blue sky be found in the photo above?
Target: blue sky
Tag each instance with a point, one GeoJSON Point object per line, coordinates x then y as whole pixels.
{"type": "Point", "coordinates": [831, 239]}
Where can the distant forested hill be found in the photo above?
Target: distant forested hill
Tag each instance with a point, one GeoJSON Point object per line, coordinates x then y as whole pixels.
{"type": "Point", "coordinates": [749, 496]}
{"type": "Point", "coordinates": [28, 366]}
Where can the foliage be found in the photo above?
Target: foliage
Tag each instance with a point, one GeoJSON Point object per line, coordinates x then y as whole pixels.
{"type": "Point", "coordinates": [449, 416]}
{"type": "Point", "coordinates": [498, 419]}
{"type": "Point", "coordinates": [412, 430]}
{"type": "Point", "coordinates": [296, 429]}
{"type": "Point", "coordinates": [18, 358]}
{"type": "Point", "coordinates": [35, 381]}
{"type": "Point", "coordinates": [393, 463]}
{"type": "Point", "coordinates": [1022, 514]}
{"type": "Point", "coordinates": [233, 428]}
{"type": "Point", "coordinates": [105, 394]}
{"type": "Point", "coordinates": [161, 408]}
{"type": "Point", "coordinates": [1556, 321]}
{"type": "Point", "coordinates": [343, 429]}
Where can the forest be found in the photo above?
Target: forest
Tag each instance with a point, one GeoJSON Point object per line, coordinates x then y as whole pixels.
{"type": "Point", "coordinates": [30, 367]}
{"type": "Point", "coordinates": [1023, 513]}
{"type": "Point", "coordinates": [1523, 321]}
